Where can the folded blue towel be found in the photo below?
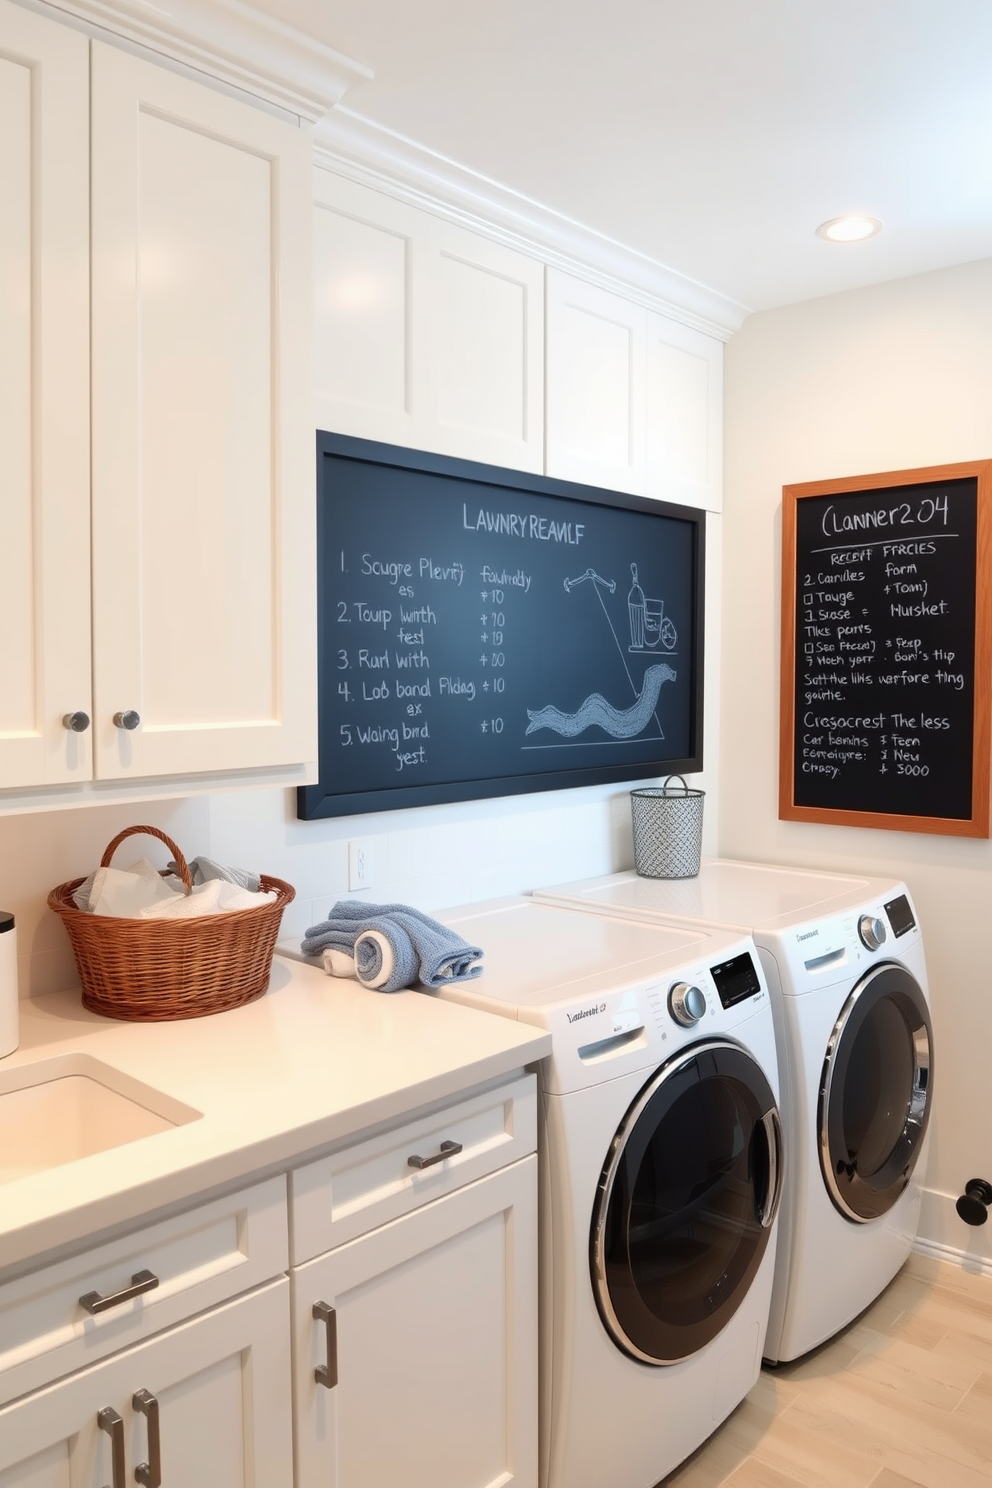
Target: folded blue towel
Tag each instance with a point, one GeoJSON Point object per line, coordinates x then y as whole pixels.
{"type": "Point", "coordinates": [394, 945]}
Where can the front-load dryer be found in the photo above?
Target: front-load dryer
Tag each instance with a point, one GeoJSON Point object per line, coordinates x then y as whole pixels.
{"type": "Point", "coordinates": [847, 978]}
{"type": "Point", "coordinates": [660, 1174]}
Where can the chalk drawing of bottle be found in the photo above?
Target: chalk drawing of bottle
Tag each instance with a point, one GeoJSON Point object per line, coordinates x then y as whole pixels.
{"type": "Point", "coordinates": [636, 606]}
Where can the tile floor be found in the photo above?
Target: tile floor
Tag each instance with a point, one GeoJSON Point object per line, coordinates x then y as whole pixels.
{"type": "Point", "coordinates": [901, 1399]}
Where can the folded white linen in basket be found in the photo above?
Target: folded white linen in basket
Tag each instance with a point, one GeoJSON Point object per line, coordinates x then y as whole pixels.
{"type": "Point", "coordinates": [140, 892]}
{"type": "Point", "coordinates": [213, 897]}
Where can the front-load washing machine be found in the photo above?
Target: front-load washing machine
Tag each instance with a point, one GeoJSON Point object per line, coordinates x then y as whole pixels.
{"type": "Point", "coordinates": [847, 978]}
{"type": "Point", "coordinates": [660, 1174]}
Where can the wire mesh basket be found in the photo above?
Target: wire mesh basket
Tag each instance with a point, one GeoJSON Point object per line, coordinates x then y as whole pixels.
{"type": "Point", "coordinates": [668, 830]}
{"type": "Point", "coordinates": [156, 970]}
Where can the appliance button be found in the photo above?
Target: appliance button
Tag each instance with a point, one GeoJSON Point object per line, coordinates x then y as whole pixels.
{"type": "Point", "coordinates": [686, 1003]}
{"type": "Point", "coordinates": [872, 931]}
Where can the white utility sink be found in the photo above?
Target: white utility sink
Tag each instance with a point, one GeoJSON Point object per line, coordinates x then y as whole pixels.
{"type": "Point", "coordinates": [72, 1106]}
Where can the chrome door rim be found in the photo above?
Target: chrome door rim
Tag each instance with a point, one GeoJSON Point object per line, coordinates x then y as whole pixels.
{"type": "Point", "coordinates": [669, 1071]}
{"type": "Point", "coordinates": [918, 1106]}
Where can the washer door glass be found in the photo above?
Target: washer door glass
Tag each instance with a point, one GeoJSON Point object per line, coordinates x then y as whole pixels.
{"type": "Point", "coordinates": [875, 1093]}
{"type": "Point", "coordinates": [686, 1202]}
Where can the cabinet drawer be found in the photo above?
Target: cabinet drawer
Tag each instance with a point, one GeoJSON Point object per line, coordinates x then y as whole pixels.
{"type": "Point", "coordinates": [341, 1196]}
{"type": "Point", "coordinates": [197, 1259]}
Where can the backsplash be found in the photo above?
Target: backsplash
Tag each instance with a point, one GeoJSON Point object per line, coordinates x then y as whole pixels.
{"type": "Point", "coordinates": [432, 857]}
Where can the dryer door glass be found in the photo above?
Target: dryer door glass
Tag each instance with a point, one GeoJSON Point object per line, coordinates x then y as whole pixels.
{"type": "Point", "coordinates": [875, 1093]}
{"type": "Point", "coordinates": [685, 1203]}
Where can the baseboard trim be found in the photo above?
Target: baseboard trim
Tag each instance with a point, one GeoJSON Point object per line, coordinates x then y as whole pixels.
{"type": "Point", "coordinates": [964, 1260]}
{"type": "Point", "coordinates": [943, 1235]}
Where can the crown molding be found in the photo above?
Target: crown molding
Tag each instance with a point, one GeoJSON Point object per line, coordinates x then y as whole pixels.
{"type": "Point", "coordinates": [234, 43]}
{"type": "Point", "coordinates": [353, 146]}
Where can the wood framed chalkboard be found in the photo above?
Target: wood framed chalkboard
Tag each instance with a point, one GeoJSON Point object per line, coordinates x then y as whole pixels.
{"type": "Point", "coordinates": [886, 653]}
{"type": "Point", "coordinates": [484, 632]}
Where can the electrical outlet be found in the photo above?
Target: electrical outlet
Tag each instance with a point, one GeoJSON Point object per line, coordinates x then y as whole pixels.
{"type": "Point", "coordinates": [361, 865]}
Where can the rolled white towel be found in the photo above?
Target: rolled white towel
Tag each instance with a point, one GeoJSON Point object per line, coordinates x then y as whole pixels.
{"type": "Point", "coordinates": [338, 963]}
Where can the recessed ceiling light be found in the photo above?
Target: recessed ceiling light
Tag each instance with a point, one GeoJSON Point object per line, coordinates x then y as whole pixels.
{"type": "Point", "coordinates": [854, 227]}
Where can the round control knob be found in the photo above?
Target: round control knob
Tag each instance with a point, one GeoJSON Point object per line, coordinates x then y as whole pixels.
{"type": "Point", "coordinates": [76, 723]}
{"type": "Point", "coordinates": [872, 931]}
{"type": "Point", "coordinates": [129, 719]}
{"type": "Point", "coordinates": [686, 1003]}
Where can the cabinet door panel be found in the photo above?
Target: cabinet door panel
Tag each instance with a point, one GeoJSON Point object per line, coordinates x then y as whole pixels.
{"type": "Point", "coordinates": [44, 414]}
{"type": "Point", "coordinates": [222, 1386]}
{"type": "Point", "coordinates": [595, 392]}
{"type": "Point", "coordinates": [436, 1346]}
{"type": "Point", "coordinates": [202, 428]}
{"type": "Point", "coordinates": [365, 320]}
{"type": "Point", "coordinates": [488, 305]}
{"type": "Point", "coordinates": [685, 414]}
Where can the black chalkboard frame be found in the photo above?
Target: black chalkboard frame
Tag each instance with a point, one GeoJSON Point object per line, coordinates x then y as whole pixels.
{"type": "Point", "coordinates": [325, 799]}
{"type": "Point", "coordinates": [977, 822]}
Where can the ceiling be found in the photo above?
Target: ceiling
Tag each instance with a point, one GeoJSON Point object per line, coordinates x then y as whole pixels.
{"type": "Point", "coordinates": [709, 136]}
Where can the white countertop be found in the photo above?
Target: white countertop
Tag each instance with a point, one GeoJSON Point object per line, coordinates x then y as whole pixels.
{"type": "Point", "coordinates": [314, 1061]}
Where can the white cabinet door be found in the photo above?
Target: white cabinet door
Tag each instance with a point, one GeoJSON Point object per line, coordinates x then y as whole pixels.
{"type": "Point", "coordinates": [221, 1388]}
{"type": "Point", "coordinates": [595, 385]}
{"type": "Point", "coordinates": [44, 400]}
{"type": "Point", "coordinates": [367, 317]}
{"type": "Point", "coordinates": [426, 335]}
{"type": "Point", "coordinates": [203, 451]}
{"type": "Point", "coordinates": [487, 348]}
{"type": "Point", "coordinates": [684, 414]}
{"type": "Point", "coordinates": [435, 1321]}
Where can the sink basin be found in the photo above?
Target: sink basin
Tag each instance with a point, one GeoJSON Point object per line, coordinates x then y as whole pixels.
{"type": "Point", "coordinates": [72, 1106]}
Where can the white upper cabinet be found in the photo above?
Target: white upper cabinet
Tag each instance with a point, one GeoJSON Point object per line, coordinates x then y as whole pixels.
{"type": "Point", "coordinates": [487, 380]}
{"type": "Point", "coordinates": [44, 403]}
{"type": "Point", "coordinates": [595, 385]}
{"type": "Point", "coordinates": [156, 423]}
{"type": "Point", "coordinates": [426, 335]}
{"type": "Point", "coordinates": [684, 414]}
{"type": "Point", "coordinates": [366, 321]}
{"type": "Point", "coordinates": [203, 463]}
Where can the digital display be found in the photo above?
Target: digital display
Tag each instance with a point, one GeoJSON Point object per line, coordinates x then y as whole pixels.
{"type": "Point", "coordinates": [736, 980]}
{"type": "Point", "coordinates": [900, 915]}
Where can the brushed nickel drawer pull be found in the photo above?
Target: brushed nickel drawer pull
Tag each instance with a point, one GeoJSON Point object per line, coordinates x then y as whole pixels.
{"type": "Point", "coordinates": [141, 1281]}
{"type": "Point", "coordinates": [447, 1149]}
{"type": "Point", "coordinates": [149, 1473]}
{"type": "Point", "coordinates": [327, 1374]}
{"type": "Point", "coordinates": [109, 1421]}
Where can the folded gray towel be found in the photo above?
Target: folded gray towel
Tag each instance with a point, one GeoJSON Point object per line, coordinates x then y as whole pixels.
{"type": "Point", "coordinates": [202, 869]}
{"type": "Point", "coordinates": [394, 945]}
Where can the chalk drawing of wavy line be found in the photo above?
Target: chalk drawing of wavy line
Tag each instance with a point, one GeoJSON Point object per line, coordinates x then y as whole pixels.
{"type": "Point", "coordinates": [621, 723]}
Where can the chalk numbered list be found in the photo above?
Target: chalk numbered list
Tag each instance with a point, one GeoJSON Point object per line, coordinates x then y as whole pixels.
{"type": "Point", "coordinates": [884, 662]}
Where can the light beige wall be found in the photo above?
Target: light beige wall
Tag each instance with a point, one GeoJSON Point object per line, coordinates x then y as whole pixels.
{"type": "Point", "coordinates": [891, 377]}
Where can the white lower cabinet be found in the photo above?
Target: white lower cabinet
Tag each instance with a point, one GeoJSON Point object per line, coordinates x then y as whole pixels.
{"type": "Point", "coordinates": [189, 1352]}
{"type": "Point", "coordinates": [415, 1346]}
{"type": "Point", "coordinates": [204, 1405]}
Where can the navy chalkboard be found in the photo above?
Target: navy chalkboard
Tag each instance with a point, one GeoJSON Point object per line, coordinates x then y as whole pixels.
{"type": "Point", "coordinates": [886, 651]}
{"type": "Point", "coordinates": [483, 632]}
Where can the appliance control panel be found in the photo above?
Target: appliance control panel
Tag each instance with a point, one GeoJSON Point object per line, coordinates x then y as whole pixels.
{"type": "Point", "coordinates": [820, 950]}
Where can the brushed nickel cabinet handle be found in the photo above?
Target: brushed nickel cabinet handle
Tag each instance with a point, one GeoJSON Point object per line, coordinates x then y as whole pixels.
{"type": "Point", "coordinates": [127, 719]}
{"type": "Point", "coordinates": [76, 723]}
{"type": "Point", "coordinates": [447, 1149]}
{"type": "Point", "coordinates": [141, 1281]}
{"type": "Point", "coordinates": [149, 1473]}
{"type": "Point", "coordinates": [109, 1421]}
{"type": "Point", "coordinates": [327, 1374]}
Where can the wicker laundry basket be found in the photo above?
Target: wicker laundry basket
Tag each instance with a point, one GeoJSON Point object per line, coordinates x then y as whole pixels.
{"type": "Point", "coordinates": [155, 970]}
{"type": "Point", "coordinates": [668, 830]}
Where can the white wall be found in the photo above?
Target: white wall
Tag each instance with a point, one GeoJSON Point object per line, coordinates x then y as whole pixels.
{"type": "Point", "coordinates": [431, 857]}
{"type": "Point", "coordinates": [886, 378]}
